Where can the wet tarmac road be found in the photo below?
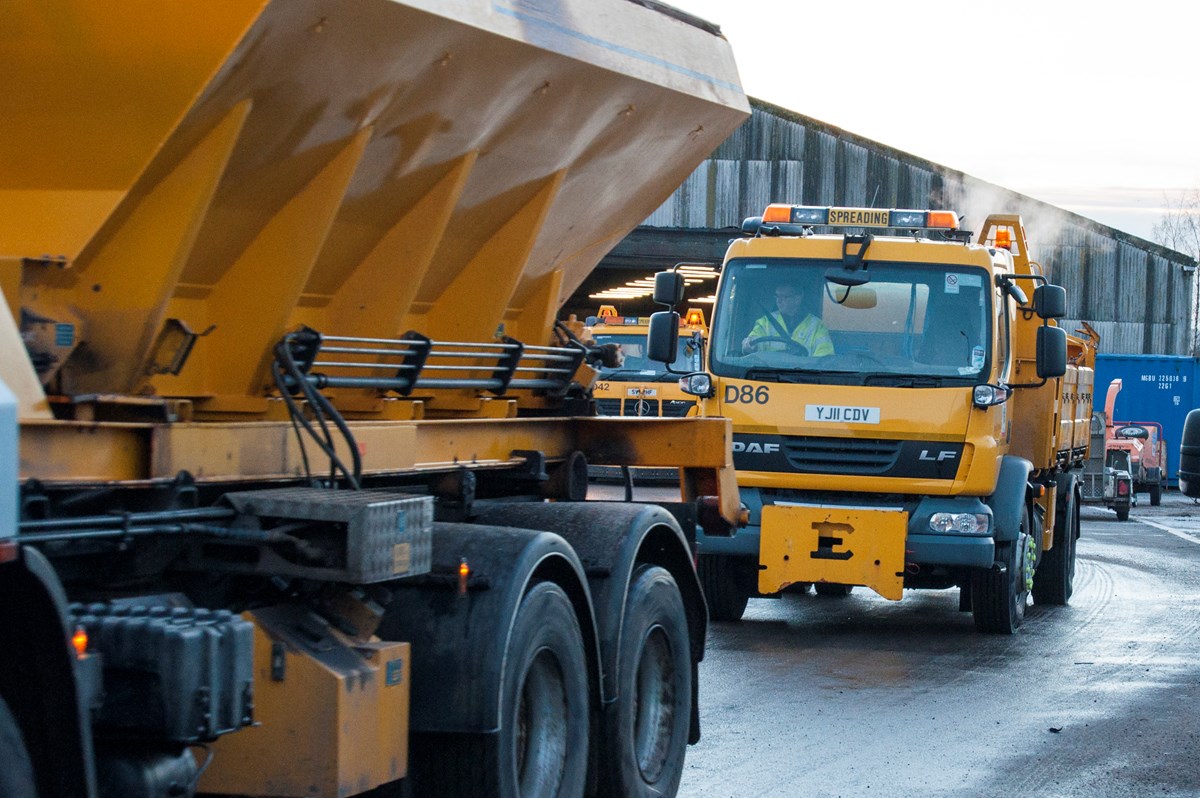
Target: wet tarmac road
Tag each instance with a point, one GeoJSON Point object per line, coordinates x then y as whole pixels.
{"type": "Point", "coordinates": [860, 696]}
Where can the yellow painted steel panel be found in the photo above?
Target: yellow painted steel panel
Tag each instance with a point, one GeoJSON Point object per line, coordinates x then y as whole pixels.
{"type": "Point", "coordinates": [455, 168]}
{"type": "Point", "coordinates": [334, 725]}
{"type": "Point", "coordinates": [851, 546]}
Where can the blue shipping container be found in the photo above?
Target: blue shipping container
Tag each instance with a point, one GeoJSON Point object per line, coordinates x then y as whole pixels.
{"type": "Point", "coordinates": [1153, 388]}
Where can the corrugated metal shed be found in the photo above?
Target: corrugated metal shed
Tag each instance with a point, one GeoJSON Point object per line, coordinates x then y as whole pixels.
{"type": "Point", "coordinates": [1137, 294]}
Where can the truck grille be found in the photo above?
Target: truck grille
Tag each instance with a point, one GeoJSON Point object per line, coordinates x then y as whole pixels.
{"type": "Point", "coordinates": [677, 408]}
{"type": "Point", "coordinates": [608, 407]}
{"type": "Point", "coordinates": [841, 455]}
{"type": "Point", "coordinates": [671, 408]}
{"type": "Point", "coordinates": [641, 407]}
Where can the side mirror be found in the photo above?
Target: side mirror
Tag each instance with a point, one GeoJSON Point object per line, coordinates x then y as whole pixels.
{"type": "Point", "coordinates": [1051, 352]}
{"type": "Point", "coordinates": [662, 339]}
{"type": "Point", "coordinates": [1189, 456]}
{"type": "Point", "coordinates": [1050, 301]}
{"type": "Point", "coordinates": [668, 289]}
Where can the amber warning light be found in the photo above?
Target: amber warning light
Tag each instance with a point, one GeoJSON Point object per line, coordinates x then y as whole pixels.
{"type": "Point", "coordinates": [80, 641]}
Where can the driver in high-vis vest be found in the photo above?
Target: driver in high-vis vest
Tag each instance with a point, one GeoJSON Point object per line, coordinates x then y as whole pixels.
{"type": "Point", "coordinates": [771, 332]}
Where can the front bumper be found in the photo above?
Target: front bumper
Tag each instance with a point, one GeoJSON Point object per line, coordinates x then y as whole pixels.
{"type": "Point", "coordinates": [849, 540]}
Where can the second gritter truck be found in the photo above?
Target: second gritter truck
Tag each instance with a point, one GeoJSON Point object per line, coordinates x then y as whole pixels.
{"type": "Point", "coordinates": [299, 502]}
{"type": "Point", "coordinates": [906, 413]}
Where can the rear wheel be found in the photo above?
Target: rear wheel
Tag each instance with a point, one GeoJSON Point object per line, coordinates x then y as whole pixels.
{"type": "Point", "coordinates": [725, 587]}
{"type": "Point", "coordinates": [541, 749]}
{"type": "Point", "coordinates": [1055, 578]}
{"type": "Point", "coordinates": [649, 738]}
{"type": "Point", "coordinates": [16, 771]}
{"type": "Point", "coordinates": [1155, 494]}
{"type": "Point", "coordinates": [833, 589]}
{"type": "Point", "coordinates": [1122, 513]}
{"type": "Point", "coordinates": [998, 598]}
{"type": "Point", "coordinates": [544, 700]}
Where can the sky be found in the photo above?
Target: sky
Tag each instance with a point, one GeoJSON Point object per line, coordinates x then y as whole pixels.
{"type": "Point", "coordinates": [1094, 107]}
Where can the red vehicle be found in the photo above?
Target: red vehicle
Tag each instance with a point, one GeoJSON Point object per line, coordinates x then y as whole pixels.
{"type": "Point", "coordinates": [1145, 444]}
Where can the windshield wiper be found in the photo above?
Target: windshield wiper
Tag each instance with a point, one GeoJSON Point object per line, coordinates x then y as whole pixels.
{"type": "Point", "coordinates": [783, 375]}
{"type": "Point", "coordinates": [608, 375]}
{"type": "Point", "coordinates": [913, 380]}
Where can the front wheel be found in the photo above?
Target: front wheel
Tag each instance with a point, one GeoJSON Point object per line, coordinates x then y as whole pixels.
{"type": "Point", "coordinates": [998, 598]}
{"type": "Point", "coordinates": [647, 742]}
{"type": "Point", "coordinates": [833, 589]}
{"type": "Point", "coordinates": [724, 584]}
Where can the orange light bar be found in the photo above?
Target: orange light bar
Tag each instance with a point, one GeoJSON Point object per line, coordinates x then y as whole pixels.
{"type": "Point", "coordinates": [777, 214]}
{"type": "Point", "coordinates": [943, 219]}
{"type": "Point", "coordinates": [80, 641]}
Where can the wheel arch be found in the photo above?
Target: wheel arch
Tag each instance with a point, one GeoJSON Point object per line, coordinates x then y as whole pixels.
{"type": "Point", "coordinates": [1008, 500]}
{"type": "Point", "coordinates": [459, 639]}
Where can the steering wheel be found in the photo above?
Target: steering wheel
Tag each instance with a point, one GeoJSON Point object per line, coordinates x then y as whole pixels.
{"type": "Point", "coordinates": [791, 344]}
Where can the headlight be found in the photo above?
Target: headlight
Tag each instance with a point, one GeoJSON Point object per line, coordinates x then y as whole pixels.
{"type": "Point", "coordinates": [959, 523]}
{"type": "Point", "coordinates": [989, 395]}
{"type": "Point", "coordinates": [697, 385]}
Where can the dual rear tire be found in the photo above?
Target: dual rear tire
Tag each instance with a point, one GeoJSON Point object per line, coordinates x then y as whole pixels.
{"type": "Point", "coordinates": [646, 744]}
{"type": "Point", "coordinates": [542, 747]}
{"type": "Point", "coordinates": [1054, 581]}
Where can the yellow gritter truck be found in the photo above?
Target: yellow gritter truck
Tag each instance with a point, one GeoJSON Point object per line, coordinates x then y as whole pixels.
{"type": "Point", "coordinates": [299, 506]}
{"type": "Point", "coordinates": [639, 386]}
{"type": "Point", "coordinates": [906, 412]}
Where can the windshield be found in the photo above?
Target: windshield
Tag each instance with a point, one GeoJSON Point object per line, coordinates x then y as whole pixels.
{"type": "Point", "coordinates": [638, 366]}
{"type": "Point", "coordinates": [779, 319]}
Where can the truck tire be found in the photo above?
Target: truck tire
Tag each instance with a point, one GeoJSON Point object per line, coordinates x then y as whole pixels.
{"type": "Point", "coordinates": [16, 771]}
{"type": "Point", "coordinates": [541, 749]}
{"type": "Point", "coordinates": [833, 590]}
{"type": "Point", "coordinates": [1155, 494]}
{"type": "Point", "coordinates": [647, 743]}
{"type": "Point", "coordinates": [1055, 578]}
{"type": "Point", "coordinates": [724, 588]}
{"type": "Point", "coordinates": [998, 599]}
{"type": "Point", "coordinates": [1122, 513]}
{"type": "Point", "coordinates": [544, 700]}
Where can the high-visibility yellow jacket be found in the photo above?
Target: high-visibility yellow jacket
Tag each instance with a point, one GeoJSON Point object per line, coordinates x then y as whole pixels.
{"type": "Point", "coordinates": [809, 333]}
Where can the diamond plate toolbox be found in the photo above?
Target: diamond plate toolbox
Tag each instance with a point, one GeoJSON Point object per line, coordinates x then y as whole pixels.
{"type": "Point", "coordinates": [386, 535]}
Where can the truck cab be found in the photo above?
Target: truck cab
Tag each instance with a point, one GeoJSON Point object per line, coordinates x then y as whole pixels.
{"type": "Point", "coordinates": [903, 410]}
{"type": "Point", "coordinates": [639, 386]}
